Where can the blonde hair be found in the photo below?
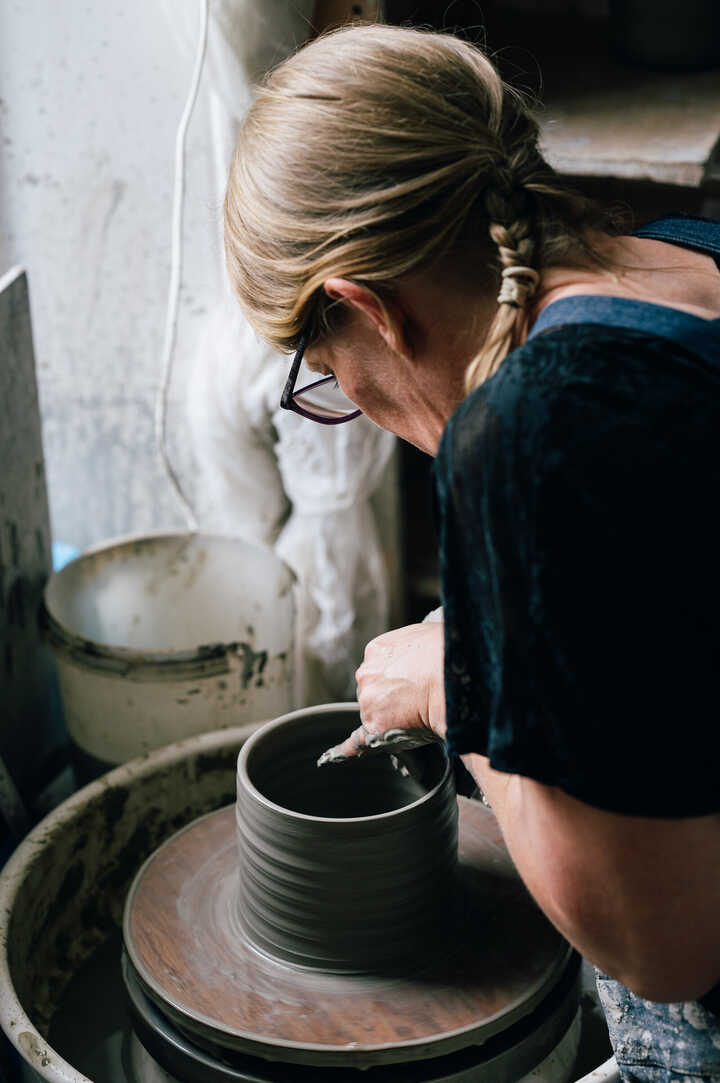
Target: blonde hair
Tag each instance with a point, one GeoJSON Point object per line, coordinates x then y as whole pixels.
{"type": "Point", "coordinates": [376, 151]}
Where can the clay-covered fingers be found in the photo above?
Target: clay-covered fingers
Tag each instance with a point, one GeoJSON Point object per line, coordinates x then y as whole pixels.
{"type": "Point", "coordinates": [400, 694]}
{"type": "Point", "coordinates": [352, 746]}
{"type": "Point", "coordinates": [360, 742]}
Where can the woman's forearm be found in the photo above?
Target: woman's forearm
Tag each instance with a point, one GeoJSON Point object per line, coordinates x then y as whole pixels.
{"type": "Point", "coordinates": [493, 784]}
{"type": "Point", "coordinates": [637, 896]}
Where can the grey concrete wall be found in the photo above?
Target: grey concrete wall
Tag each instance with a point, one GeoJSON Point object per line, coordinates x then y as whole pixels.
{"type": "Point", "coordinates": [90, 97]}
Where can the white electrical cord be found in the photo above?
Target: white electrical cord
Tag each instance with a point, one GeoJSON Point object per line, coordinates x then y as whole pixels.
{"type": "Point", "coordinates": [171, 318]}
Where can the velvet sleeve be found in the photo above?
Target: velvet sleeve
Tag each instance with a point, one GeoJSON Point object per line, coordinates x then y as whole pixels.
{"type": "Point", "coordinates": [575, 496]}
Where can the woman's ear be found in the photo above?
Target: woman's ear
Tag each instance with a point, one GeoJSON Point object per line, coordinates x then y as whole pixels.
{"type": "Point", "coordinates": [387, 316]}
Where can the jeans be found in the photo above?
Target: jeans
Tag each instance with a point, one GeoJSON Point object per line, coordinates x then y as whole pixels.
{"type": "Point", "coordinates": [660, 1043]}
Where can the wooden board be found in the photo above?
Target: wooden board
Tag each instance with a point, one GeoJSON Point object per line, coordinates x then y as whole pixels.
{"type": "Point", "coordinates": [494, 960]}
{"type": "Point", "coordinates": [29, 732]}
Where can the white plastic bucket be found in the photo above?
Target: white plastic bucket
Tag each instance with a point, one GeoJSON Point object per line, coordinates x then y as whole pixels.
{"type": "Point", "coordinates": [159, 637]}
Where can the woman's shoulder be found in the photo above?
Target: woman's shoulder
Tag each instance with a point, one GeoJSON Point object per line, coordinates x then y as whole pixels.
{"type": "Point", "coordinates": [585, 355]}
{"type": "Point", "coordinates": [575, 384]}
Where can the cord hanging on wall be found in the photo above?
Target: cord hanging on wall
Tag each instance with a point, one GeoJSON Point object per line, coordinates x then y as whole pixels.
{"type": "Point", "coordinates": [171, 319]}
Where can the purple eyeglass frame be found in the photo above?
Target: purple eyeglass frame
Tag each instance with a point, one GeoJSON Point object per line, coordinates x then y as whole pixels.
{"type": "Point", "coordinates": [287, 399]}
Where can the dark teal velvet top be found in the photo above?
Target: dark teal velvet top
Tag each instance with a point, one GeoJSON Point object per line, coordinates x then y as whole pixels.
{"type": "Point", "coordinates": [576, 497]}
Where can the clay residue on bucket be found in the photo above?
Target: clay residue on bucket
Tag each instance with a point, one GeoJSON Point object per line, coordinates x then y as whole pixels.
{"type": "Point", "coordinates": [253, 664]}
{"type": "Point", "coordinates": [36, 1052]}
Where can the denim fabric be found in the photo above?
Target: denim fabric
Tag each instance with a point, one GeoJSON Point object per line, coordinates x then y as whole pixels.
{"type": "Point", "coordinates": [688, 331]}
{"type": "Point", "coordinates": [700, 233]}
{"type": "Point", "coordinates": [691, 332]}
{"type": "Point", "coordinates": [660, 1043]}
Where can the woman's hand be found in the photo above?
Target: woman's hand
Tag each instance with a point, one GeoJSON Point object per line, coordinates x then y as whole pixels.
{"type": "Point", "coordinates": [400, 683]}
{"type": "Point", "coordinates": [400, 690]}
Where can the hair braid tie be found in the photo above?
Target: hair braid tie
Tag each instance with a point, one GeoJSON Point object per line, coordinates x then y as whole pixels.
{"type": "Point", "coordinates": [515, 248]}
{"type": "Point", "coordinates": [518, 285]}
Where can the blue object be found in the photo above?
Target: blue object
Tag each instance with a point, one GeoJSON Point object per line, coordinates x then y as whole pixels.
{"type": "Point", "coordinates": [62, 554]}
{"type": "Point", "coordinates": [692, 332]}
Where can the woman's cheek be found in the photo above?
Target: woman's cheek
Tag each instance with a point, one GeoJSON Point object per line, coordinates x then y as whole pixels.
{"type": "Point", "coordinates": [355, 389]}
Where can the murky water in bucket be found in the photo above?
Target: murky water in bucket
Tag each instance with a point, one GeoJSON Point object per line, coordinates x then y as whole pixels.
{"type": "Point", "coordinates": [92, 1023]}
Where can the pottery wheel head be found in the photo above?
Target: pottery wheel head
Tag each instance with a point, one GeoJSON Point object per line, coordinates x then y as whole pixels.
{"type": "Point", "coordinates": [195, 962]}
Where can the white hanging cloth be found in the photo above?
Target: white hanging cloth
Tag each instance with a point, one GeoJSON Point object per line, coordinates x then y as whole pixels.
{"type": "Point", "coordinates": [263, 473]}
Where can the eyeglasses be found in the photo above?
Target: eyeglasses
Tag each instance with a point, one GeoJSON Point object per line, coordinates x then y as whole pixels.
{"type": "Point", "coordinates": [321, 400]}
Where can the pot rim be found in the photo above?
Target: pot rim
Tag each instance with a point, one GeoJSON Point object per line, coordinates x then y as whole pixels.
{"type": "Point", "coordinates": [294, 716]}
